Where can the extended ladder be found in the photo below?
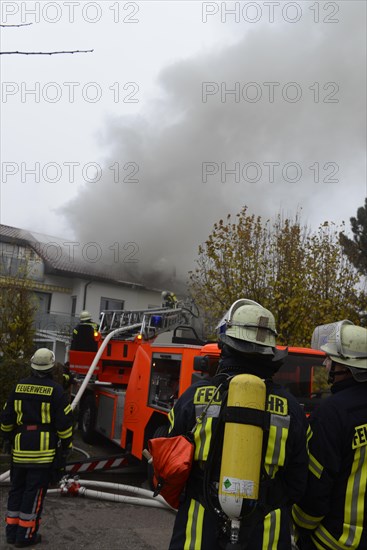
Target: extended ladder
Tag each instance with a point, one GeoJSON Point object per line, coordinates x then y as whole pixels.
{"type": "Point", "coordinates": [149, 323]}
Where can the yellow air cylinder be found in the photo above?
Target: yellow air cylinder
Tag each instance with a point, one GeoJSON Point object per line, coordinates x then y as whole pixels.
{"type": "Point", "coordinates": [242, 446]}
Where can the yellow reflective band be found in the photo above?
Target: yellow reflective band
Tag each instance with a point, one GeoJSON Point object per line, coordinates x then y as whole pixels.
{"type": "Point", "coordinates": [277, 404]}
{"type": "Point", "coordinates": [194, 526]}
{"type": "Point", "coordinates": [271, 530]}
{"type": "Point", "coordinates": [48, 453]}
{"type": "Point", "coordinates": [202, 438]}
{"type": "Point", "coordinates": [33, 389]}
{"type": "Point", "coordinates": [360, 436]}
{"type": "Point", "coordinates": [305, 520]}
{"type": "Point", "coordinates": [171, 418]}
{"type": "Point", "coordinates": [17, 443]}
{"type": "Point", "coordinates": [7, 427]}
{"type": "Point", "coordinates": [204, 395]}
{"type": "Point", "coordinates": [68, 409]}
{"type": "Point", "coordinates": [277, 440]}
{"type": "Point", "coordinates": [354, 500]}
{"type": "Point", "coordinates": [45, 413]}
{"type": "Point", "coordinates": [315, 467]}
{"type": "Point", "coordinates": [321, 534]}
{"type": "Point", "coordinates": [18, 410]}
{"type": "Point", "coordinates": [44, 441]}
{"type": "Point", "coordinates": [308, 435]}
{"type": "Point", "coordinates": [66, 433]}
{"type": "Point", "coordinates": [33, 460]}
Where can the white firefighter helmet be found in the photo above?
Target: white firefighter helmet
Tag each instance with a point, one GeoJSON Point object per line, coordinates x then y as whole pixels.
{"type": "Point", "coordinates": [249, 328]}
{"type": "Point", "coordinates": [344, 343]}
{"type": "Point", "coordinates": [85, 315]}
{"type": "Point", "coordinates": [43, 360]}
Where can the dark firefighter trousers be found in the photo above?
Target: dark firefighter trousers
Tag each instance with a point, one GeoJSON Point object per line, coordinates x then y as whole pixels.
{"type": "Point", "coordinates": [25, 502]}
{"type": "Point", "coordinates": [199, 529]}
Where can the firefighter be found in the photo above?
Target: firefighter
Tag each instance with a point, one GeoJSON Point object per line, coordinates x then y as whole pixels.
{"type": "Point", "coordinates": [247, 341]}
{"type": "Point", "coordinates": [83, 338]}
{"type": "Point", "coordinates": [61, 373]}
{"type": "Point", "coordinates": [169, 299]}
{"type": "Point", "coordinates": [333, 512]}
{"type": "Point", "coordinates": [36, 420]}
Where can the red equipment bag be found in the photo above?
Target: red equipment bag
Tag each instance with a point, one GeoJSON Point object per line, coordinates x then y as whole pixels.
{"type": "Point", "coordinates": [172, 461]}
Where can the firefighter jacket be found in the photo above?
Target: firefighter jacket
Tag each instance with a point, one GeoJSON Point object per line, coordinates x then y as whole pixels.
{"type": "Point", "coordinates": [285, 463]}
{"type": "Point", "coordinates": [36, 416]}
{"type": "Point", "coordinates": [333, 512]}
{"type": "Point", "coordinates": [83, 337]}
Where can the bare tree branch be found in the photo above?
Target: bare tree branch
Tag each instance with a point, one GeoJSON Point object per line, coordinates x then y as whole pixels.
{"type": "Point", "coordinates": [20, 25]}
{"type": "Point", "coordinates": [46, 53]}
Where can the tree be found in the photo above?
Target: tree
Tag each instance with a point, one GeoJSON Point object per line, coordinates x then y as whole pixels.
{"type": "Point", "coordinates": [300, 275]}
{"type": "Point", "coordinates": [356, 249]}
{"type": "Point", "coordinates": [16, 329]}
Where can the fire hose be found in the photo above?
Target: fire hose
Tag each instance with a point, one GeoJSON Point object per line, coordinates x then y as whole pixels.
{"type": "Point", "coordinates": [79, 487]}
{"type": "Point", "coordinates": [71, 486]}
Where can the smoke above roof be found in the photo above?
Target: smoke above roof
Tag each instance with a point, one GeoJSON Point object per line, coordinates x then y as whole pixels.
{"type": "Point", "coordinates": [275, 121]}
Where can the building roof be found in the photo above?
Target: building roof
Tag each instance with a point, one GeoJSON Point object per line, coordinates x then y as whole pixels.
{"type": "Point", "coordinates": [61, 256]}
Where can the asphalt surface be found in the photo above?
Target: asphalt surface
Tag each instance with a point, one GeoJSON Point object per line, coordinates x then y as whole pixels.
{"type": "Point", "coordinates": [83, 522]}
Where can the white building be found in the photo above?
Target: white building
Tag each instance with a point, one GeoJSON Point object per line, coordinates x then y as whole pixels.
{"type": "Point", "coordinates": [64, 285]}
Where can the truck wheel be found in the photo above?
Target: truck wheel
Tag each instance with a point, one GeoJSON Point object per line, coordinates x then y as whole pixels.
{"type": "Point", "coordinates": [161, 431]}
{"type": "Point", "coordinates": [88, 419]}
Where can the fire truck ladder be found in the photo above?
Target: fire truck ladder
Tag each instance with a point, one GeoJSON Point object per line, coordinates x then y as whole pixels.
{"type": "Point", "coordinates": [149, 323]}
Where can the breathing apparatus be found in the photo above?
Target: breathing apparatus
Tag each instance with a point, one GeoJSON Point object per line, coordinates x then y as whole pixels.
{"type": "Point", "coordinates": [248, 330]}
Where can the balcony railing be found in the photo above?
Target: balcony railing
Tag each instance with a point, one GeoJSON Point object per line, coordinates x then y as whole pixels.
{"type": "Point", "coordinates": [59, 325]}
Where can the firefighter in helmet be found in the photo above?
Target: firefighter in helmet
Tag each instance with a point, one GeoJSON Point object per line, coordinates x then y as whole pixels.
{"type": "Point", "coordinates": [36, 421]}
{"type": "Point", "coordinates": [169, 299]}
{"type": "Point", "coordinates": [83, 338]}
{"type": "Point", "coordinates": [333, 512]}
{"type": "Point", "coordinates": [247, 338]}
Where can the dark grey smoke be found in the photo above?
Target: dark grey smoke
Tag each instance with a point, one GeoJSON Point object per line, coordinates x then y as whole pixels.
{"type": "Point", "coordinates": [171, 211]}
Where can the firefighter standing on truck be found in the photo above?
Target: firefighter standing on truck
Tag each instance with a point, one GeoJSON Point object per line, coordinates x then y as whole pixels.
{"type": "Point", "coordinates": [36, 417]}
{"type": "Point", "coordinates": [83, 338]}
{"type": "Point", "coordinates": [333, 512]}
{"type": "Point", "coordinates": [247, 342]}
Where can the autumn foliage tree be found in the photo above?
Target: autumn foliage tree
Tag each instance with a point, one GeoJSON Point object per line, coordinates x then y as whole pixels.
{"type": "Point", "coordinates": [300, 275]}
{"type": "Point", "coordinates": [16, 331]}
{"type": "Point", "coordinates": [356, 249]}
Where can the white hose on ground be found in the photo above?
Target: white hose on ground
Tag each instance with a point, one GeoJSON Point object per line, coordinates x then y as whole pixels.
{"type": "Point", "coordinates": [82, 451]}
{"type": "Point", "coordinates": [120, 487]}
{"type": "Point", "coordinates": [5, 476]}
{"type": "Point", "coordinates": [121, 498]}
{"type": "Point", "coordinates": [157, 502]}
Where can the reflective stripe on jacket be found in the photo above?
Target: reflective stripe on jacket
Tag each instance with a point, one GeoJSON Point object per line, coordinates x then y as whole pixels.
{"type": "Point", "coordinates": [285, 455]}
{"type": "Point", "coordinates": [334, 509]}
{"type": "Point", "coordinates": [37, 415]}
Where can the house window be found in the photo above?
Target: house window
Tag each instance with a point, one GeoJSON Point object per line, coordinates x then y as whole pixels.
{"type": "Point", "coordinates": [73, 306]}
{"type": "Point", "coordinates": [43, 302]}
{"type": "Point", "coordinates": [111, 303]}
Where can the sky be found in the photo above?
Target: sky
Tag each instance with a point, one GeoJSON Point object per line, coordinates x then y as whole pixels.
{"type": "Point", "coordinates": [183, 113]}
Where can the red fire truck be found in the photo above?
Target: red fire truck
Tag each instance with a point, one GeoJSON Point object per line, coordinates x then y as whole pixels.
{"type": "Point", "coordinates": [130, 385]}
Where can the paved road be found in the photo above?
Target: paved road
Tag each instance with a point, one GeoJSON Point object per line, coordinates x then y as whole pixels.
{"type": "Point", "coordinates": [76, 522]}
